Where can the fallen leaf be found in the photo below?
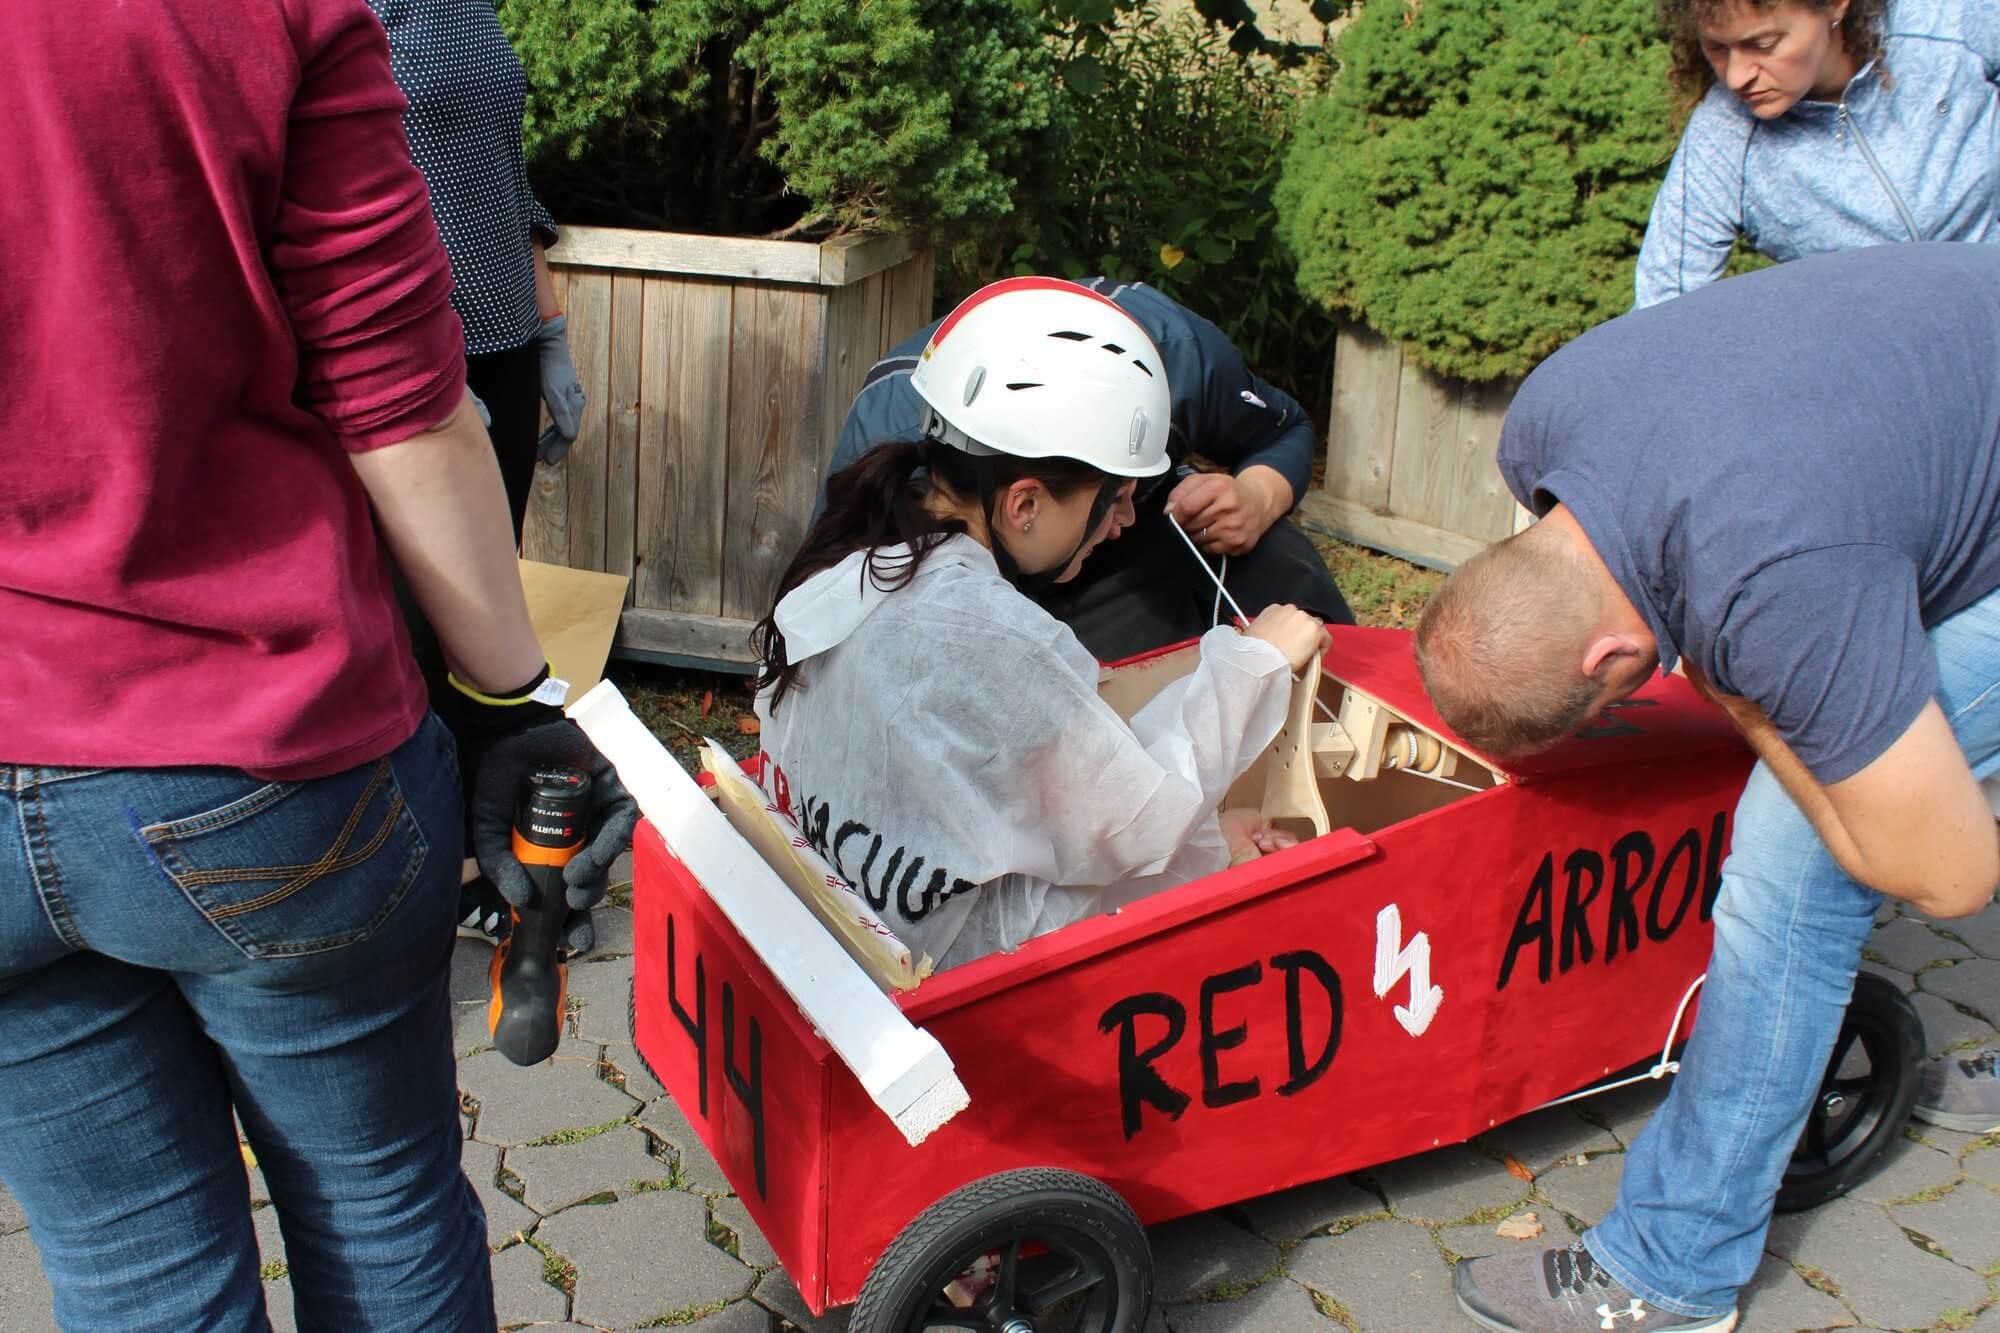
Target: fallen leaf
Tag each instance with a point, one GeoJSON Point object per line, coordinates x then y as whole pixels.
{"type": "Point", "coordinates": [249, 1157]}
{"type": "Point", "coordinates": [1171, 255]}
{"type": "Point", "coordinates": [1516, 1169]}
{"type": "Point", "coordinates": [1521, 1226]}
{"type": "Point", "coordinates": [707, 701]}
{"type": "Point", "coordinates": [749, 726]}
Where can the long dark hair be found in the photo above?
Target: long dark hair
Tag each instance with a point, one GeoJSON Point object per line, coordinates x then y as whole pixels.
{"type": "Point", "coordinates": [1693, 76]}
{"type": "Point", "coordinates": [878, 501]}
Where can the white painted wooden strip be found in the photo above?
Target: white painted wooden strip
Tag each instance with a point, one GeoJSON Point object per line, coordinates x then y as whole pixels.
{"type": "Point", "coordinates": [899, 1065]}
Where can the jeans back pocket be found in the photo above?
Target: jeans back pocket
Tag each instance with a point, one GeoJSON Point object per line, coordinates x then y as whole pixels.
{"type": "Point", "coordinates": [293, 868]}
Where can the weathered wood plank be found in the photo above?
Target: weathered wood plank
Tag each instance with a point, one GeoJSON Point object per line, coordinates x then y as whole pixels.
{"type": "Point", "coordinates": [621, 487]}
{"type": "Point", "coordinates": [1367, 370]}
{"type": "Point", "coordinates": [588, 462]}
{"type": "Point", "coordinates": [714, 638]}
{"type": "Point", "coordinates": [907, 304]}
{"type": "Point", "coordinates": [545, 527]}
{"type": "Point", "coordinates": [687, 253]}
{"type": "Point", "coordinates": [775, 399]}
{"type": "Point", "coordinates": [1420, 542]}
{"type": "Point", "coordinates": [1424, 470]}
{"type": "Point", "coordinates": [1479, 503]}
{"type": "Point", "coordinates": [683, 454]}
{"type": "Point", "coordinates": [854, 343]}
{"type": "Point", "coordinates": [848, 259]}
{"type": "Point", "coordinates": [712, 413]}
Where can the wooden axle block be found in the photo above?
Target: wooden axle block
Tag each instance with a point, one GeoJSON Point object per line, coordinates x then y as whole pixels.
{"type": "Point", "coordinates": [1332, 751]}
{"type": "Point", "coordinates": [1367, 726]}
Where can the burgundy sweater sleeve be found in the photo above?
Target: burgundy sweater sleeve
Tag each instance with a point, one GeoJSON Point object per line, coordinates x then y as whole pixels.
{"type": "Point", "coordinates": [355, 251]}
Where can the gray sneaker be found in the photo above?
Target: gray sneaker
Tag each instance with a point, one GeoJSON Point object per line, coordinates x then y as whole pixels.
{"type": "Point", "coordinates": [1962, 1092]}
{"type": "Point", "coordinates": [1557, 1291]}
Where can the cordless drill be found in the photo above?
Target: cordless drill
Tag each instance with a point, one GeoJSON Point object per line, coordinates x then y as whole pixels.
{"type": "Point", "coordinates": [529, 976]}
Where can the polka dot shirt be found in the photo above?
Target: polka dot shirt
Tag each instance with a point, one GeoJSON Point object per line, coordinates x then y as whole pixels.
{"type": "Point", "coordinates": [466, 90]}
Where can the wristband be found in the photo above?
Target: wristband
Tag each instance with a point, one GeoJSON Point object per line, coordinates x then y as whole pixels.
{"type": "Point", "coordinates": [545, 688]}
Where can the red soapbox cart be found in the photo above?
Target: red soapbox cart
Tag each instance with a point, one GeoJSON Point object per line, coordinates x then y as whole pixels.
{"type": "Point", "coordinates": [1462, 943]}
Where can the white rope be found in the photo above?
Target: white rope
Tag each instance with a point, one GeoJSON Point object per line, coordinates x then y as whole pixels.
{"type": "Point", "coordinates": [1661, 1069]}
{"type": "Point", "coordinates": [1242, 620]}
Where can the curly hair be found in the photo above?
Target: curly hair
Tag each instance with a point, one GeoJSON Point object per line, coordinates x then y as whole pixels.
{"type": "Point", "coordinates": [1693, 76]}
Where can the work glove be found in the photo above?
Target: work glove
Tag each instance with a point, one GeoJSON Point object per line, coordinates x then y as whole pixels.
{"type": "Point", "coordinates": [561, 389]}
{"type": "Point", "coordinates": [502, 741]}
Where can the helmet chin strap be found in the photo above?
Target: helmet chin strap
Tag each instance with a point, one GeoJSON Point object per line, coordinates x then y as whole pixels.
{"type": "Point", "coordinates": [1034, 585]}
{"type": "Point", "coordinates": [986, 467]}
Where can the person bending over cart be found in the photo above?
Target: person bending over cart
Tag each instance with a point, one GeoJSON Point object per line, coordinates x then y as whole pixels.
{"type": "Point", "coordinates": [1136, 594]}
{"type": "Point", "coordinates": [1807, 523]}
{"type": "Point", "coordinates": [939, 733]}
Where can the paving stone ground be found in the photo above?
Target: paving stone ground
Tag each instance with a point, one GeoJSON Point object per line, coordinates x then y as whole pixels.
{"type": "Point", "coordinates": [606, 1213]}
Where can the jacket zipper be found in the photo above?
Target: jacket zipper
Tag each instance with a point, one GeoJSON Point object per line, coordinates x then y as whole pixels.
{"type": "Point", "coordinates": [1848, 122]}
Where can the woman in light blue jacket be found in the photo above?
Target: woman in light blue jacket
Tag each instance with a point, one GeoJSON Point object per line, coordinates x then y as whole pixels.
{"type": "Point", "coordinates": [1823, 125]}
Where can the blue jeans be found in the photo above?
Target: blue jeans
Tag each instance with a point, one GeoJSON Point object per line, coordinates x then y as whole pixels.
{"type": "Point", "coordinates": [1695, 1200]}
{"type": "Point", "coordinates": [178, 943]}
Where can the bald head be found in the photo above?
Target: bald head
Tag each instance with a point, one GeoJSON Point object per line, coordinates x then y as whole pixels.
{"type": "Point", "coordinates": [1504, 643]}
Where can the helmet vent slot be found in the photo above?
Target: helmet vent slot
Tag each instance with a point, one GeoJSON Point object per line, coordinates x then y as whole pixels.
{"type": "Point", "coordinates": [1114, 349]}
{"type": "Point", "coordinates": [1072, 335]}
{"type": "Point", "coordinates": [1025, 384]}
{"type": "Point", "coordinates": [1142, 365]}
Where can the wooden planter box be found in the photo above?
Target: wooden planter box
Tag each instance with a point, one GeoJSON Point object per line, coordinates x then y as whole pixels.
{"type": "Point", "coordinates": [1410, 457]}
{"type": "Point", "coordinates": [718, 370]}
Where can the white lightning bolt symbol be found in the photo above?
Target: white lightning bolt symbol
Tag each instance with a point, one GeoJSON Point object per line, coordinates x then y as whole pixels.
{"type": "Point", "coordinates": [1393, 959]}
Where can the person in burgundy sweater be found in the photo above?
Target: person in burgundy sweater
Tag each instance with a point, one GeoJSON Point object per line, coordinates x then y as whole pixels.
{"type": "Point", "coordinates": [232, 835]}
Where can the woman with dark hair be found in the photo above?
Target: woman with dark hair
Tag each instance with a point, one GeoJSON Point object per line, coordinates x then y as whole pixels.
{"type": "Point", "coordinates": [1821, 125]}
{"type": "Point", "coordinates": [937, 734]}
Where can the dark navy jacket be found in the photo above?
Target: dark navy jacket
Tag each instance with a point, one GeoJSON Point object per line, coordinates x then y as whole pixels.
{"type": "Point", "coordinates": [1220, 410]}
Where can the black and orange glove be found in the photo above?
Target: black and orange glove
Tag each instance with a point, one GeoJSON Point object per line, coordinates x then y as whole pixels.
{"type": "Point", "coordinates": [502, 740]}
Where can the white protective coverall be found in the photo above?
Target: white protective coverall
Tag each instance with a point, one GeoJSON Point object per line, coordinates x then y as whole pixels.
{"type": "Point", "coordinates": [946, 750]}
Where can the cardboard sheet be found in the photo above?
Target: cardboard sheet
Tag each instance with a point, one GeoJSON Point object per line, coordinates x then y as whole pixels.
{"type": "Point", "coordinates": [575, 614]}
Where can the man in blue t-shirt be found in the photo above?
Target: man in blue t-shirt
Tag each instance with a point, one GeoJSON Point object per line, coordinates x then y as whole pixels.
{"type": "Point", "coordinates": [1145, 590]}
{"type": "Point", "coordinates": [1789, 485]}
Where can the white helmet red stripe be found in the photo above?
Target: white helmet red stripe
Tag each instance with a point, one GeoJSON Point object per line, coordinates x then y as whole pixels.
{"type": "Point", "coordinates": [1038, 367]}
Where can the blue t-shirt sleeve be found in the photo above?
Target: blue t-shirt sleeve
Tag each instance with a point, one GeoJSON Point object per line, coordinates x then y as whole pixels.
{"type": "Point", "coordinates": [1830, 643]}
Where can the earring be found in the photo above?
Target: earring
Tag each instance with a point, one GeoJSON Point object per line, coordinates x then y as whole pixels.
{"type": "Point", "coordinates": [1834, 24]}
{"type": "Point", "coordinates": [1028, 526]}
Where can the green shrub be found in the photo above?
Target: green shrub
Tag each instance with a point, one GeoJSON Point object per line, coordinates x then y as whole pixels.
{"type": "Point", "coordinates": [1168, 138]}
{"type": "Point", "coordinates": [769, 116]}
{"type": "Point", "coordinates": [1476, 180]}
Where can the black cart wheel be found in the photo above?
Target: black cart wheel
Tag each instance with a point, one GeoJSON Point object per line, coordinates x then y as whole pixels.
{"type": "Point", "coordinates": [1034, 1251]}
{"type": "Point", "coordinates": [1863, 1101]}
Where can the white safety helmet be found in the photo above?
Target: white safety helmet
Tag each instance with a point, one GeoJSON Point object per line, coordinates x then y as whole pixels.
{"type": "Point", "coordinates": [1043, 368]}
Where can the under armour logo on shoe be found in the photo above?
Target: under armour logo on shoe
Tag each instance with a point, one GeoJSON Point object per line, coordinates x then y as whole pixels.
{"type": "Point", "coordinates": [1608, 1317]}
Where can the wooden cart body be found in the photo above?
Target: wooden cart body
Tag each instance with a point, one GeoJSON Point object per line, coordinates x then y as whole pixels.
{"type": "Point", "coordinates": [1443, 961]}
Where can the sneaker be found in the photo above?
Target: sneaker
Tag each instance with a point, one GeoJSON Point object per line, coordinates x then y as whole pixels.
{"type": "Point", "coordinates": [1962, 1092]}
{"type": "Point", "coordinates": [482, 912]}
{"type": "Point", "coordinates": [1556, 1291]}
